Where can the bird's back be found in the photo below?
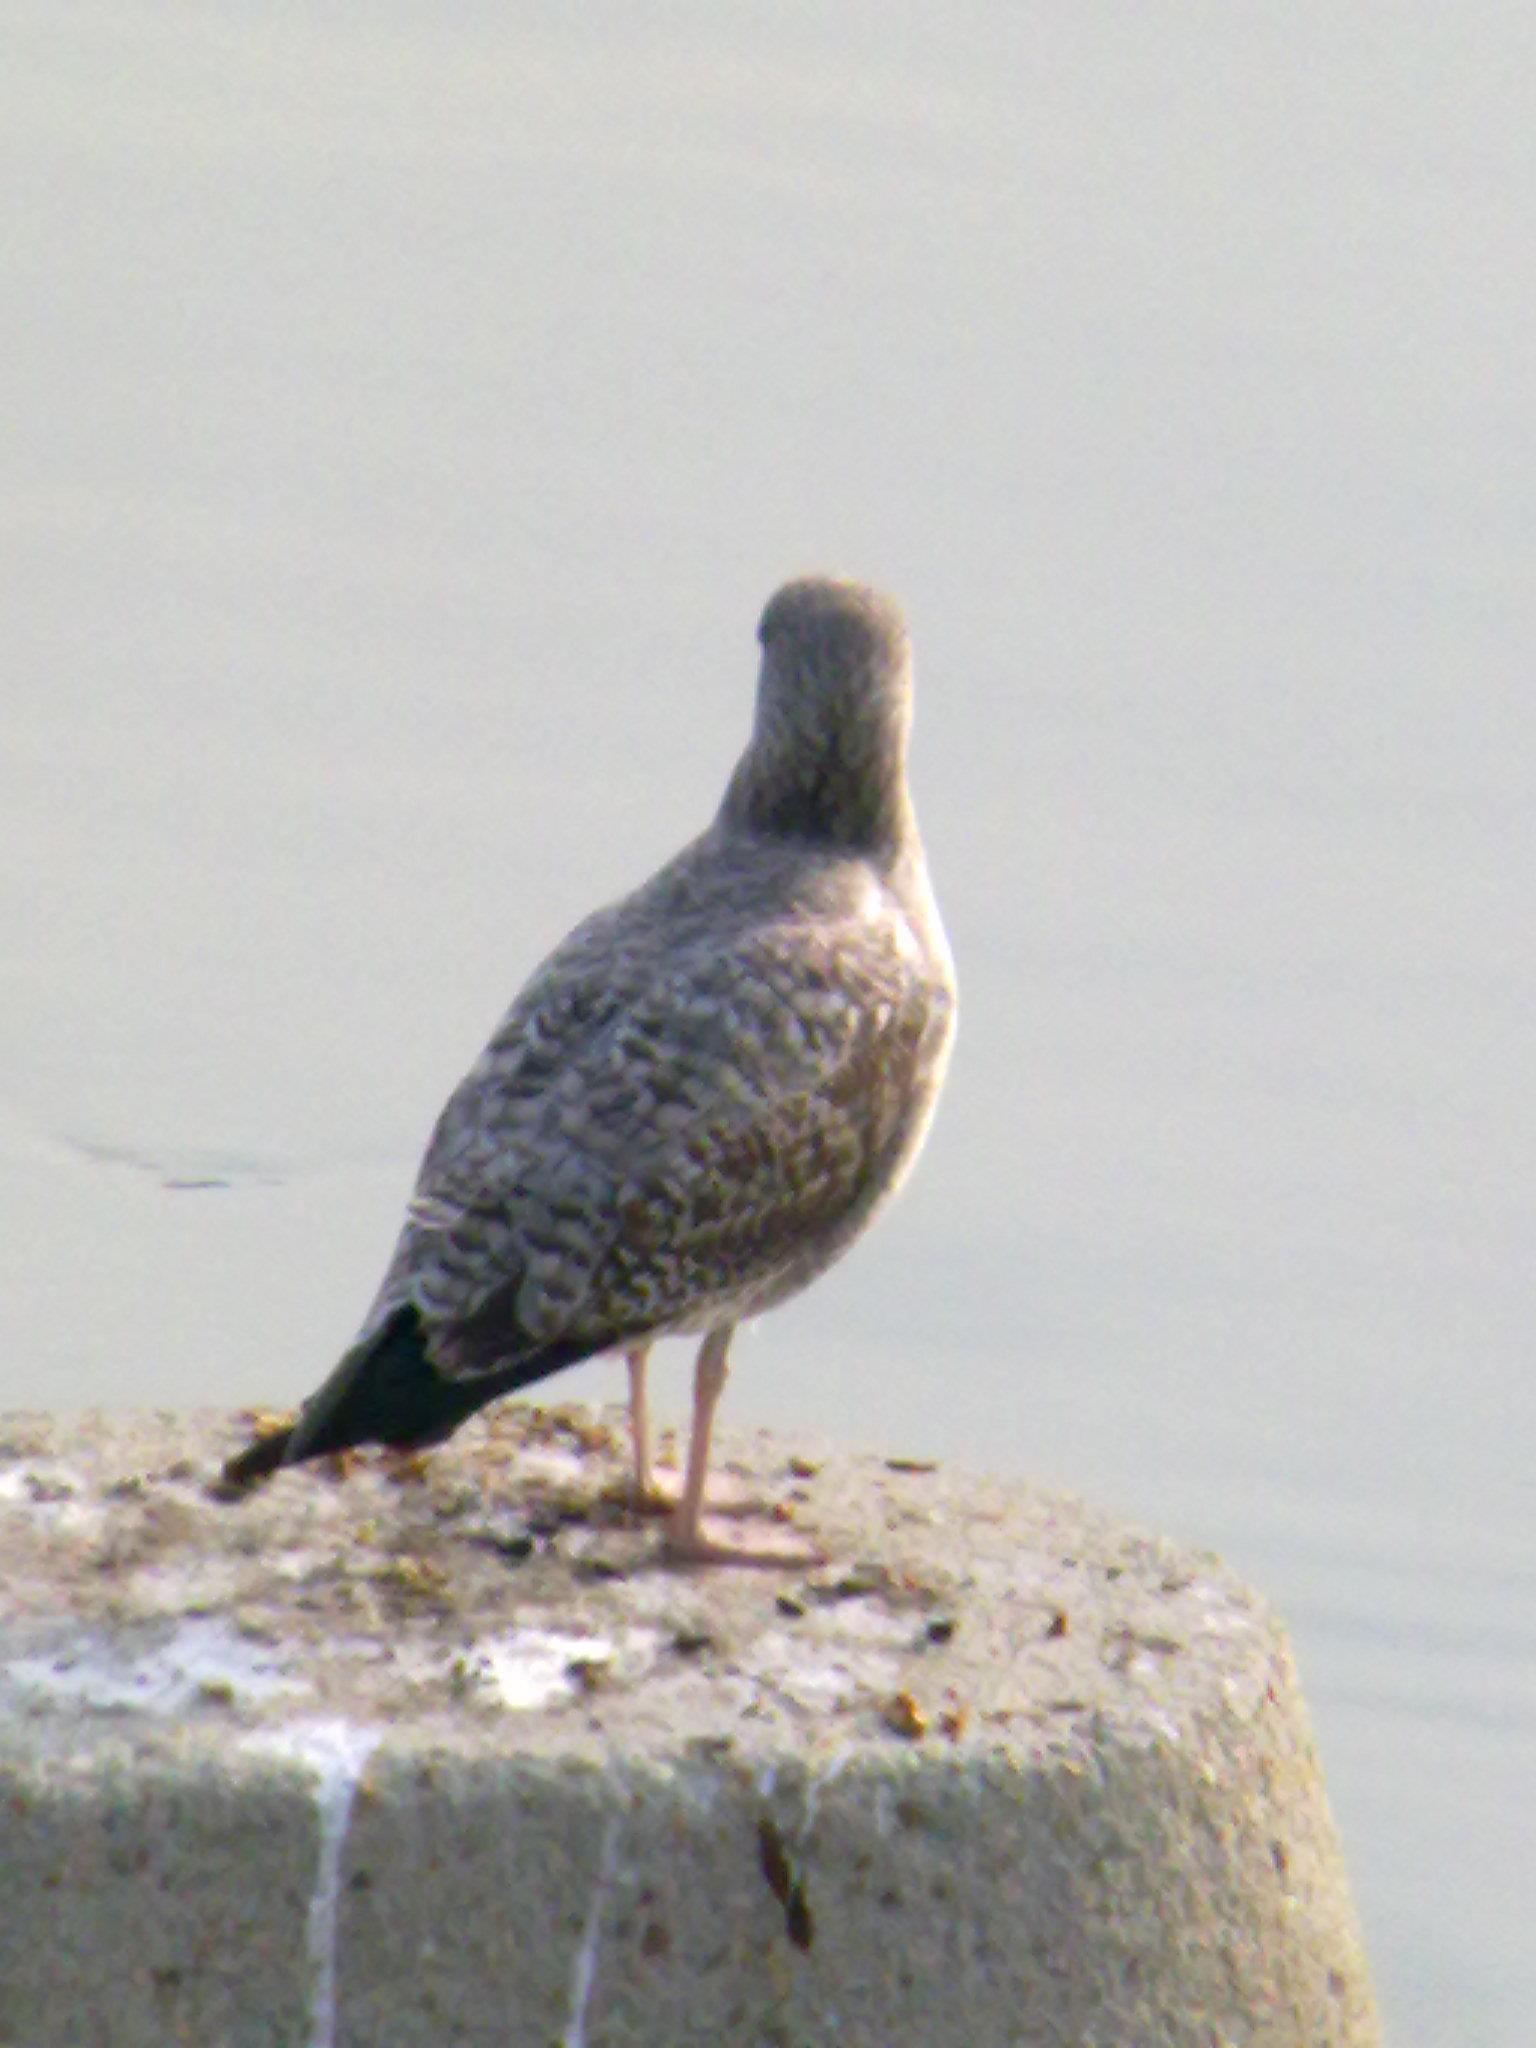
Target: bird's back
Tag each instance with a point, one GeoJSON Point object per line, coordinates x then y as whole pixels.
{"type": "Point", "coordinates": [694, 1104]}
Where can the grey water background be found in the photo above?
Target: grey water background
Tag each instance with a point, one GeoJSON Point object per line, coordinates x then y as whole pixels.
{"type": "Point", "coordinates": [406, 413]}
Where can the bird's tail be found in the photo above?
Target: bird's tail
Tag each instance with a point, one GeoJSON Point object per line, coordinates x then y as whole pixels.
{"type": "Point", "coordinates": [378, 1390]}
{"type": "Point", "coordinates": [386, 1390]}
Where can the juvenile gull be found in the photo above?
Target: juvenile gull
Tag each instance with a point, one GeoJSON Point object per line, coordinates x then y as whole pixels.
{"type": "Point", "coordinates": [700, 1099]}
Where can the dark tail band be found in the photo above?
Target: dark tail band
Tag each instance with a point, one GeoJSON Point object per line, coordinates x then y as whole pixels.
{"type": "Point", "coordinates": [386, 1390]}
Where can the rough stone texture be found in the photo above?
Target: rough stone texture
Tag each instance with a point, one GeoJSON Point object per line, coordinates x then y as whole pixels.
{"type": "Point", "coordinates": [447, 1756]}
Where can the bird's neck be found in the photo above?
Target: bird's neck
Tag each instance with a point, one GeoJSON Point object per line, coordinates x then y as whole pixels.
{"type": "Point", "coordinates": [823, 792]}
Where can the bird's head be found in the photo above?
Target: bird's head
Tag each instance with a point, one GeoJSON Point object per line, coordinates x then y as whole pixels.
{"type": "Point", "coordinates": [827, 760]}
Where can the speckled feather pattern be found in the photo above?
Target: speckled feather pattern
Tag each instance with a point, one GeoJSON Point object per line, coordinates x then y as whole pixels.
{"type": "Point", "coordinates": [701, 1098]}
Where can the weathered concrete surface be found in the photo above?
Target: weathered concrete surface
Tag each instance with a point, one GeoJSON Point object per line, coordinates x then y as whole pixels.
{"type": "Point", "coordinates": [381, 1762]}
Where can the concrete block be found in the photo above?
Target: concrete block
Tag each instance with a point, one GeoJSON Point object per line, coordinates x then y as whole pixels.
{"type": "Point", "coordinates": [445, 1757]}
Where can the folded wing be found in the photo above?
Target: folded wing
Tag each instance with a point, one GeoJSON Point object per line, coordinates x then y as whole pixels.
{"type": "Point", "coordinates": [649, 1144]}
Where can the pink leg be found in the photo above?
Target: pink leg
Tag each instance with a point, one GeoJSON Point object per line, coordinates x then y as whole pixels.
{"type": "Point", "coordinates": [640, 1425]}
{"type": "Point", "coordinates": [687, 1539]}
{"type": "Point", "coordinates": [656, 1492]}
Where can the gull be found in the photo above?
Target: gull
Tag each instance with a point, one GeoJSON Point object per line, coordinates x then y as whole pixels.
{"type": "Point", "coordinates": [698, 1102]}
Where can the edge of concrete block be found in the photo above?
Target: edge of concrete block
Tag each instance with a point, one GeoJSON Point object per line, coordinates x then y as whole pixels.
{"type": "Point", "coordinates": [452, 1758]}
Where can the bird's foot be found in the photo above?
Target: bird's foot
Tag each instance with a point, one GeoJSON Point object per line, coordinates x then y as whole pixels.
{"type": "Point", "coordinates": [770, 1546]}
{"type": "Point", "coordinates": [661, 1497]}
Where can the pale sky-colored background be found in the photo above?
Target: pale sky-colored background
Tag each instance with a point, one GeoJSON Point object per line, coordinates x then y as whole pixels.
{"type": "Point", "coordinates": [405, 416]}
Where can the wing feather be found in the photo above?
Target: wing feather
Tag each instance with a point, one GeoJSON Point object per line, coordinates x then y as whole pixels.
{"type": "Point", "coordinates": [649, 1137]}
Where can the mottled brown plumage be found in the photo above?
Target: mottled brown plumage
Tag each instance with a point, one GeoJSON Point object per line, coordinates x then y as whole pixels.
{"type": "Point", "coordinates": [702, 1097]}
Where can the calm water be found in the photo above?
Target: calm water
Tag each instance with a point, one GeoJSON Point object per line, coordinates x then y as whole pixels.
{"type": "Point", "coordinates": [405, 420]}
